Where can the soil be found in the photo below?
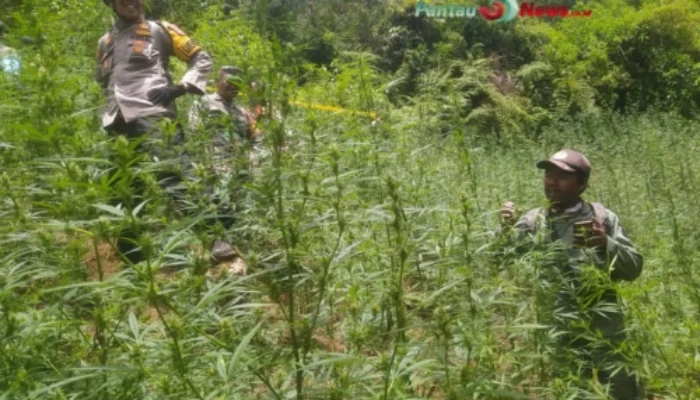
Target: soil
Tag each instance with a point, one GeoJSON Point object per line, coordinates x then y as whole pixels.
{"type": "Point", "coordinates": [108, 259]}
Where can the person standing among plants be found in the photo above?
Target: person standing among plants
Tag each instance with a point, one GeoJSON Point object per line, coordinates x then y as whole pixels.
{"type": "Point", "coordinates": [220, 113]}
{"type": "Point", "coordinates": [133, 70]}
{"type": "Point", "coordinates": [231, 126]}
{"type": "Point", "coordinates": [589, 248]}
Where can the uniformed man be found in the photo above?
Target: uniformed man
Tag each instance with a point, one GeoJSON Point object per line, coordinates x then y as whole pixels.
{"type": "Point", "coordinates": [210, 112]}
{"type": "Point", "coordinates": [231, 126]}
{"type": "Point", "coordinates": [587, 246]}
{"type": "Point", "coordinates": [220, 114]}
{"type": "Point", "coordinates": [132, 67]}
{"type": "Point", "coordinates": [9, 61]}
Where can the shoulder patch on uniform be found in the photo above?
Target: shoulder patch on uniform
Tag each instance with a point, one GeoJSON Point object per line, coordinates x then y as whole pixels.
{"type": "Point", "coordinates": [103, 46]}
{"type": "Point", "coordinates": [183, 47]}
{"type": "Point", "coordinates": [104, 39]}
{"type": "Point", "coordinates": [173, 27]}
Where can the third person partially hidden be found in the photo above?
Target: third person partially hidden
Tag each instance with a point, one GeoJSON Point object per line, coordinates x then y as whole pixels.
{"type": "Point", "coordinates": [232, 127]}
{"type": "Point", "coordinates": [229, 132]}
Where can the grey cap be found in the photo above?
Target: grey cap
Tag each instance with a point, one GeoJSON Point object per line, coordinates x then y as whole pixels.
{"type": "Point", "coordinates": [568, 160]}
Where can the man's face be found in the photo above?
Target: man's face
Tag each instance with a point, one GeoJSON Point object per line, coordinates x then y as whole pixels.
{"type": "Point", "coordinates": [129, 10]}
{"type": "Point", "coordinates": [226, 90]}
{"type": "Point", "coordinates": [562, 186]}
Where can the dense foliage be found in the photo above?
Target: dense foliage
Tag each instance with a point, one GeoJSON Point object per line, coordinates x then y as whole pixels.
{"type": "Point", "coordinates": [375, 261]}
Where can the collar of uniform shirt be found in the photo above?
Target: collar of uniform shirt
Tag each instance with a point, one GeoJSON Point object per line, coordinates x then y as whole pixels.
{"type": "Point", "coordinates": [570, 210]}
{"type": "Point", "coordinates": [228, 103]}
{"type": "Point", "coordinates": [574, 209]}
{"type": "Point", "coordinates": [121, 25]}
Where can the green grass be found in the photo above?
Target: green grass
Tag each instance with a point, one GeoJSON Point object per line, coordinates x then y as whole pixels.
{"type": "Point", "coordinates": [376, 238]}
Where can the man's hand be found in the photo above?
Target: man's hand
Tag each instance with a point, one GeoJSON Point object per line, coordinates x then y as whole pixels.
{"type": "Point", "coordinates": [507, 213]}
{"type": "Point", "coordinates": [165, 95]}
{"type": "Point", "coordinates": [598, 239]}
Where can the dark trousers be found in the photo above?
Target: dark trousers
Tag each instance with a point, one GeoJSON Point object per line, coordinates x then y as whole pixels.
{"type": "Point", "coordinates": [604, 361]}
{"type": "Point", "coordinates": [584, 355]}
{"type": "Point", "coordinates": [154, 145]}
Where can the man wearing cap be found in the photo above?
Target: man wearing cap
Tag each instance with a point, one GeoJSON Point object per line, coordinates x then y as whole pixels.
{"type": "Point", "coordinates": [579, 235]}
{"type": "Point", "coordinates": [133, 70]}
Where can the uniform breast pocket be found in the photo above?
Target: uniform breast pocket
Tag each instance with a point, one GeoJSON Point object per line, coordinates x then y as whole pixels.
{"type": "Point", "coordinates": [142, 51]}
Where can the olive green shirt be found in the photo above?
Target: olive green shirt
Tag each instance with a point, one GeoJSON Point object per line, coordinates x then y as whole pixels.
{"type": "Point", "coordinates": [228, 119]}
{"type": "Point", "coordinates": [620, 257]}
{"type": "Point", "coordinates": [565, 263]}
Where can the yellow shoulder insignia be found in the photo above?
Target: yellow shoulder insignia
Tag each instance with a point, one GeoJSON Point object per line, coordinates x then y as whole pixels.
{"type": "Point", "coordinates": [169, 26]}
{"type": "Point", "coordinates": [183, 47]}
{"type": "Point", "coordinates": [102, 45]}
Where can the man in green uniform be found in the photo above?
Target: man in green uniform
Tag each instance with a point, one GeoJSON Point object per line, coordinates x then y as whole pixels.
{"type": "Point", "coordinates": [133, 70]}
{"type": "Point", "coordinates": [230, 126]}
{"type": "Point", "coordinates": [587, 246]}
{"type": "Point", "coordinates": [220, 114]}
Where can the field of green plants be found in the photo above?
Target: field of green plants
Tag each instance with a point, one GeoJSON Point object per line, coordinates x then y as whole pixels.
{"type": "Point", "coordinates": [377, 268]}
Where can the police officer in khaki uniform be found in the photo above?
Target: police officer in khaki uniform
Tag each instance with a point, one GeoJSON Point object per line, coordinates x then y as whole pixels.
{"type": "Point", "coordinates": [133, 69]}
{"type": "Point", "coordinates": [133, 60]}
{"type": "Point", "coordinates": [576, 234]}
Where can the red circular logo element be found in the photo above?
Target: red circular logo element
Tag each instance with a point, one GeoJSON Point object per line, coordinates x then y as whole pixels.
{"type": "Point", "coordinates": [494, 12]}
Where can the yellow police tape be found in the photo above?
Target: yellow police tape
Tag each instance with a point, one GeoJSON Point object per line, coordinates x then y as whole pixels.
{"type": "Point", "coordinates": [324, 107]}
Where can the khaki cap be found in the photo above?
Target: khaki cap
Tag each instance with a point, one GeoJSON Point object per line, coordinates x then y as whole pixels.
{"type": "Point", "coordinates": [568, 160]}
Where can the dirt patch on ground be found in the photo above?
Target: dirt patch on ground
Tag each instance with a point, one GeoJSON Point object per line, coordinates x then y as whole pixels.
{"type": "Point", "coordinates": [431, 391]}
{"type": "Point", "coordinates": [326, 342]}
{"type": "Point", "coordinates": [105, 257]}
{"type": "Point", "coordinates": [150, 314]}
{"type": "Point", "coordinates": [274, 316]}
{"type": "Point", "coordinates": [320, 339]}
